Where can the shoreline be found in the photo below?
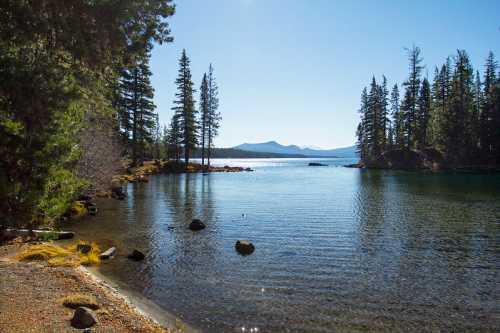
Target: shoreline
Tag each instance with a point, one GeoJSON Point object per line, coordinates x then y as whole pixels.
{"type": "Point", "coordinates": [43, 287]}
{"type": "Point", "coordinates": [144, 306]}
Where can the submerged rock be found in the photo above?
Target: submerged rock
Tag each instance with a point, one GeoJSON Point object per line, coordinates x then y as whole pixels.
{"type": "Point", "coordinates": [244, 247]}
{"type": "Point", "coordinates": [92, 210]}
{"type": "Point", "coordinates": [108, 254]}
{"type": "Point", "coordinates": [136, 255]}
{"type": "Point", "coordinates": [196, 225]}
{"type": "Point", "coordinates": [83, 318]}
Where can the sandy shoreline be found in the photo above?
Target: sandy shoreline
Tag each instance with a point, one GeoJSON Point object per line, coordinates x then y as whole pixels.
{"type": "Point", "coordinates": [31, 293]}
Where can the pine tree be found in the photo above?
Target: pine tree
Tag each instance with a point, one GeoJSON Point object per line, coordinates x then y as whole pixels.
{"type": "Point", "coordinates": [476, 115]}
{"type": "Point", "coordinates": [137, 110]}
{"type": "Point", "coordinates": [409, 104]}
{"type": "Point", "coordinates": [397, 116]}
{"type": "Point", "coordinates": [204, 115]}
{"type": "Point", "coordinates": [213, 120]}
{"type": "Point", "coordinates": [458, 118]}
{"type": "Point", "coordinates": [361, 145]}
{"type": "Point", "coordinates": [174, 139]}
{"type": "Point", "coordinates": [423, 114]}
{"type": "Point", "coordinates": [184, 109]}
{"type": "Point", "coordinates": [384, 116]}
{"type": "Point", "coordinates": [487, 113]}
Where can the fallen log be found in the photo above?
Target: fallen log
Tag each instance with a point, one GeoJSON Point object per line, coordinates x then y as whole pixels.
{"type": "Point", "coordinates": [109, 253]}
{"type": "Point", "coordinates": [10, 233]}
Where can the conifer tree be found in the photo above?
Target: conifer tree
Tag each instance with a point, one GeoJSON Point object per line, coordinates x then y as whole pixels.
{"type": "Point", "coordinates": [476, 115]}
{"type": "Point", "coordinates": [174, 139]}
{"type": "Point", "coordinates": [214, 117]}
{"type": "Point", "coordinates": [361, 145]}
{"type": "Point", "coordinates": [398, 120]}
{"type": "Point", "coordinates": [184, 107]}
{"type": "Point", "coordinates": [423, 114]}
{"type": "Point", "coordinates": [487, 113]}
{"type": "Point", "coordinates": [137, 110]}
{"type": "Point", "coordinates": [384, 117]}
{"type": "Point", "coordinates": [412, 85]}
{"type": "Point", "coordinates": [204, 115]}
{"type": "Point", "coordinates": [458, 118]}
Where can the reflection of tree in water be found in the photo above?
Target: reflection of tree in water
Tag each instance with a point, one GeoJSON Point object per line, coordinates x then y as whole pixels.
{"type": "Point", "coordinates": [418, 239]}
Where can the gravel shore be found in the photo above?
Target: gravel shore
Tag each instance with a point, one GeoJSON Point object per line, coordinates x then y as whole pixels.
{"type": "Point", "coordinates": [31, 293]}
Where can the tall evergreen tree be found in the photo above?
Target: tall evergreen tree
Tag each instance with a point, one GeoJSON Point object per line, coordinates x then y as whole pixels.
{"type": "Point", "coordinates": [458, 118]}
{"type": "Point", "coordinates": [214, 117]}
{"type": "Point", "coordinates": [476, 115]}
{"type": "Point", "coordinates": [423, 114]}
{"type": "Point", "coordinates": [398, 120]}
{"type": "Point", "coordinates": [137, 110]}
{"type": "Point", "coordinates": [412, 86]}
{"type": "Point", "coordinates": [384, 116]}
{"type": "Point", "coordinates": [184, 107]}
{"type": "Point", "coordinates": [174, 139]}
{"type": "Point", "coordinates": [361, 145]}
{"type": "Point", "coordinates": [487, 113]}
{"type": "Point", "coordinates": [204, 115]}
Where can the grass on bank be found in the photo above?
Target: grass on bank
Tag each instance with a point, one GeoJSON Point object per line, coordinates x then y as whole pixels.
{"type": "Point", "coordinates": [58, 256]}
{"type": "Point", "coordinates": [74, 301]}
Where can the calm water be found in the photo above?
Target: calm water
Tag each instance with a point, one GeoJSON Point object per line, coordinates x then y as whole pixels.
{"type": "Point", "coordinates": [337, 249]}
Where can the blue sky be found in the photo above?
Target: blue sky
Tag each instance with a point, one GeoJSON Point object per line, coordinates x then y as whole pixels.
{"type": "Point", "coordinates": [292, 71]}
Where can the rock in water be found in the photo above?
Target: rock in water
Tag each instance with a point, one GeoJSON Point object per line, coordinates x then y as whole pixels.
{"type": "Point", "coordinates": [196, 225]}
{"type": "Point", "coordinates": [83, 248]}
{"type": "Point", "coordinates": [83, 318]}
{"type": "Point", "coordinates": [136, 255]}
{"type": "Point", "coordinates": [92, 210]}
{"type": "Point", "coordinates": [316, 164]}
{"type": "Point", "coordinates": [109, 253]}
{"type": "Point", "coordinates": [244, 247]}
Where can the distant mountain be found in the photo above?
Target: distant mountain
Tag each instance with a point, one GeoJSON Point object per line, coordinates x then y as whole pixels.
{"type": "Point", "coordinates": [274, 147]}
{"type": "Point", "coordinates": [238, 153]}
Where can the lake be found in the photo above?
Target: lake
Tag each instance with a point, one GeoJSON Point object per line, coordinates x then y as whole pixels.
{"type": "Point", "coordinates": [337, 249]}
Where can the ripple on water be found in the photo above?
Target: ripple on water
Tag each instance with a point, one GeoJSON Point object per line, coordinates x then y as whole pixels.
{"type": "Point", "coordinates": [336, 249]}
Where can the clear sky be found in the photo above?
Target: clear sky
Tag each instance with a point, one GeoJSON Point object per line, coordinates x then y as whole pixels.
{"type": "Point", "coordinates": [293, 71]}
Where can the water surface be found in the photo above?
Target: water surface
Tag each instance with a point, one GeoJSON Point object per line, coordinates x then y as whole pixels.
{"type": "Point", "coordinates": [337, 249]}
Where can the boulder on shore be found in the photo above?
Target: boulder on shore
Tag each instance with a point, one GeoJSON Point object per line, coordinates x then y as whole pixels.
{"type": "Point", "coordinates": [244, 247]}
{"type": "Point", "coordinates": [84, 248]}
{"type": "Point", "coordinates": [108, 254]}
{"type": "Point", "coordinates": [83, 318]}
{"type": "Point", "coordinates": [136, 255]}
{"type": "Point", "coordinates": [196, 225]}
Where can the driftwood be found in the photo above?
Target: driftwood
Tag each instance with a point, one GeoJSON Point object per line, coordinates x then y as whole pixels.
{"type": "Point", "coordinates": [13, 233]}
{"type": "Point", "coordinates": [109, 253]}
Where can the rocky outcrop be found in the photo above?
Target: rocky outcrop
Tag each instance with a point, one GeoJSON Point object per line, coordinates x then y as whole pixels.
{"type": "Point", "coordinates": [403, 159]}
{"type": "Point", "coordinates": [316, 164]}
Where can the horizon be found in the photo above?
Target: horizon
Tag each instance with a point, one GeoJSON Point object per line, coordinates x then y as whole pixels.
{"type": "Point", "coordinates": [309, 64]}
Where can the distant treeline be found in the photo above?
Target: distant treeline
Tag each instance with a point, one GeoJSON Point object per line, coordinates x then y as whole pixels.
{"type": "Point", "coordinates": [455, 118]}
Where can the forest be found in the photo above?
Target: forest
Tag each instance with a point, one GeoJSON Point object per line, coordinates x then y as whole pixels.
{"type": "Point", "coordinates": [451, 121]}
{"type": "Point", "coordinates": [76, 100]}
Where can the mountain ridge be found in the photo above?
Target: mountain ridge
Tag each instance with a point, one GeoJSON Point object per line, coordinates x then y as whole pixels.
{"type": "Point", "coordinates": [277, 148]}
